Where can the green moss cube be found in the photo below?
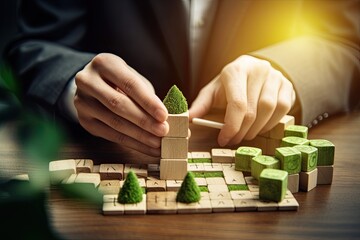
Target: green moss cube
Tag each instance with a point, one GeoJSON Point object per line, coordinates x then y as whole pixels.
{"type": "Point", "coordinates": [259, 163]}
{"type": "Point", "coordinates": [293, 141]}
{"type": "Point", "coordinates": [326, 151]}
{"type": "Point", "coordinates": [243, 157]}
{"type": "Point", "coordinates": [296, 131]}
{"type": "Point", "coordinates": [273, 184]}
{"type": "Point", "coordinates": [309, 156]}
{"type": "Point", "coordinates": [290, 159]}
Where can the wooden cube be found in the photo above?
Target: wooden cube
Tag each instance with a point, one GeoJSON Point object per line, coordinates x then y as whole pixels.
{"type": "Point", "coordinates": [178, 125]}
{"type": "Point", "coordinates": [174, 148]}
{"type": "Point", "coordinates": [278, 131]}
{"type": "Point", "coordinates": [222, 155]}
{"type": "Point", "coordinates": [308, 180]}
{"type": "Point", "coordinates": [61, 169]}
{"type": "Point", "coordinates": [140, 170]}
{"type": "Point", "coordinates": [271, 145]}
{"type": "Point", "coordinates": [156, 185]}
{"type": "Point", "coordinates": [93, 178]}
{"type": "Point", "coordinates": [111, 171]}
{"type": "Point", "coordinates": [273, 185]}
{"type": "Point", "coordinates": [293, 183]}
{"type": "Point", "coordinates": [173, 169]}
{"type": "Point", "coordinates": [325, 174]}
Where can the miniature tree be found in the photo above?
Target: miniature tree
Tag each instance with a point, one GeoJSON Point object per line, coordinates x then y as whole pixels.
{"type": "Point", "coordinates": [189, 191]}
{"type": "Point", "coordinates": [131, 191]}
{"type": "Point", "coordinates": [175, 102]}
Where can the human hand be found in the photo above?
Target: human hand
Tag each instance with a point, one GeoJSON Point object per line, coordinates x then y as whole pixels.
{"type": "Point", "coordinates": [114, 102]}
{"type": "Point", "coordinates": [254, 95]}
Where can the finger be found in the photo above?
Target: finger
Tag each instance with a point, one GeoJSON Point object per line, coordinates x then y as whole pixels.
{"type": "Point", "coordinates": [235, 85]}
{"type": "Point", "coordinates": [115, 70]}
{"type": "Point", "coordinates": [95, 110]}
{"type": "Point", "coordinates": [283, 106]}
{"type": "Point", "coordinates": [119, 103]}
{"type": "Point", "coordinates": [266, 104]}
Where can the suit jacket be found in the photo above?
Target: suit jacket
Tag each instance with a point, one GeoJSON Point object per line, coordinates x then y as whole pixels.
{"type": "Point", "coordinates": [314, 43]}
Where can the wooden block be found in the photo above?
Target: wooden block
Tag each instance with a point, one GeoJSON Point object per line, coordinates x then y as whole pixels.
{"type": "Point", "coordinates": [201, 181]}
{"type": "Point", "coordinates": [136, 208]}
{"type": "Point", "coordinates": [173, 169]}
{"type": "Point", "coordinates": [245, 205]}
{"type": "Point", "coordinates": [96, 169]}
{"type": "Point", "coordinates": [271, 145]}
{"type": "Point", "coordinates": [153, 168]}
{"type": "Point", "coordinates": [213, 167]}
{"type": "Point", "coordinates": [84, 165]}
{"type": "Point", "coordinates": [233, 179]}
{"type": "Point", "coordinates": [253, 188]}
{"type": "Point", "coordinates": [218, 188]}
{"type": "Point", "coordinates": [293, 183]}
{"type": "Point", "coordinates": [273, 185]}
{"type": "Point", "coordinates": [325, 175]}
{"type": "Point", "coordinates": [222, 155]}
{"type": "Point", "coordinates": [326, 151]}
{"type": "Point", "coordinates": [113, 207]}
{"type": "Point", "coordinates": [215, 181]}
{"type": "Point", "coordinates": [140, 170]}
{"type": "Point", "coordinates": [219, 205]}
{"type": "Point", "coordinates": [174, 148]}
{"type": "Point", "coordinates": [241, 195]}
{"type": "Point", "coordinates": [251, 180]}
{"type": "Point", "coordinates": [111, 171]}
{"type": "Point", "coordinates": [203, 206]}
{"type": "Point", "coordinates": [257, 142]}
{"type": "Point", "coordinates": [93, 178]}
{"type": "Point", "coordinates": [61, 169]}
{"type": "Point", "coordinates": [278, 131]}
{"type": "Point", "coordinates": [296, 130]}
{"type": "Point", "coordinates": [220, 196]}
{"type": "Point", "coordinates": [264, 205]}
{"type": "Point", "coordinates": [178, 125]}
{"type": "Point", "coordinates": [288, 205]}
{"type": "Point", "coordinates": [161, 202]}
{"type": "Point", "coordinates": [107, 187]}
{"type": "Point", "coordinates": [196, 167]}
{"type": "Point", "coordinates": [156, 185]}
{"type": "Point", "coordinates": [290, 159]}
{"type": "Point", "coordinates": [308, 180]}
{"type": "Point", "coordinates": [201, 157]}
{"type": "Point", "coordinates": [261, 162]}
{"type": "Point", "coordinates": [173, 185]}
{"type": "Point", "coordinates": [243, 157]}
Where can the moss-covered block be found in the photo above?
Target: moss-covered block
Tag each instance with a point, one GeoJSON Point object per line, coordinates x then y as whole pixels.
{"type": "Point", "coordinates": [326, 151]}
{"type": "Point", "coordinates": [296, 131]}
{"type": "Point", "coordinates": [293, 141]}
{"type": "Point", "coordinates": [259, 163]}
{"type": "Point", "coordinates": [309, 156]}
{"type": "Point", "coordinates": [243, 157]}
{"type": "Point", "coordinates": [175, 102]}
{"type": "Point", "coordinates": [273, 184]}
{"type": "Point", "coordinates": [290, 159]}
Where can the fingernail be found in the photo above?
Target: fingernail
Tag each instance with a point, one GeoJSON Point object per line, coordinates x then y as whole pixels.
{"type": "Point", "coordinates": [161, 129]}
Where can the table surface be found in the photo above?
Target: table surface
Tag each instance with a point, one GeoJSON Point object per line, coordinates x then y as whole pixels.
{"type": "Point", "coordinates": [328, 211]}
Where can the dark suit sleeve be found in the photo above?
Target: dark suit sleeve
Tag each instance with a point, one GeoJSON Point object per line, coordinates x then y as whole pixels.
{"type": "Point", "coordinates": [47, 53]}
{"type": "Point", "coordinates": [324, 64]}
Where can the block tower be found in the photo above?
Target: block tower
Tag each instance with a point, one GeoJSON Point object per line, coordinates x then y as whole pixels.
{"type": "Point", "coordinates": [174, 146]}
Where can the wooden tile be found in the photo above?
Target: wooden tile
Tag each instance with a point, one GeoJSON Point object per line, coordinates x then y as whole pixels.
{"type": "Point", "coordinates": [96, 169]}
{"type": "Point", "coordinates": [267, 206]}
{"type": "Point", "coordinates": [140, 170]}
{"type": "Point", "coordinates": [234, 179]}
{"type": "Point", "coordinates": [61, 169]}
{"type": "Point", "coordinates": [161, 202]}
{"type": "Point", "coordinates": [178, 125]}
{"type": "Point", "coordinates": [222, 155]}
{"type": "Point", "coordinates": [203, 206]}
{"type": "Point", "coordinates": [173, 185]}
{"type": "Point", "coordinates": [173, 169]}
{"type": "Point", "coordinates": [201, 181]}
{"type": "Point", "coordinates": [251, 180]}
{"type": "Point", "coordinates": [113, 208]}
{"type": "Point", "coordinates": [245, 205]}
{"type": "Point", "coordinates": [109, 198]}
{"type": "Point", "coordinates": [70, 179]}
{"type": "Point", "coordinates": [213, 167]}
{"type": "Point", "coordinates": [156, 185]}
{"type": "Point", "coordinates": [84, 165]}
{"type": "Point", "coordinates": [271, 145]}
{"type": "Point", "coordinates": [293, 183]}
{"type": "Point", "coordinates": [217, 188]}
{"type": "Point", "coordinates": [308, 180]}
{"type": "Point", "coordinates": [222, 205]}
{"type": "Point", "coordinates": [174, 148]}
{"type": "Point", "coordinates": [109, 187]}
{"type": "Point", "coordinates": [201, 157]}
{"type": "Point", "coordinates": [253, 188]}
{"type": "Point", "coordinates": [215, 181]}
{"type": "Point", "coordinates": [288, 204]}
{"type": "Point", "coordinates": [111, 171]}
{"type": "Point", "coordinates": [93, 178]}
{"type": "Point", "coordinates": [242, 195]}
{"type": "Point", "coordinates": [196, 167]}
{"type": "Point", "coordinates": [325, 174]}
{"type": "Point", "coordinates": [220, 195]}
{"type": "Point", "coordinates": [136, 208]}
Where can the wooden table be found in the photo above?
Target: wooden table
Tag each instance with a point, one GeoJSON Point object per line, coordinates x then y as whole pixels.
{"type": "Point", "coordinates": [328, 211]}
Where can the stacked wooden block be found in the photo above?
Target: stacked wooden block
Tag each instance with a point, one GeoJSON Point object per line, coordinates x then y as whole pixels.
{"type": "Point", "coordinates": [174, 148]}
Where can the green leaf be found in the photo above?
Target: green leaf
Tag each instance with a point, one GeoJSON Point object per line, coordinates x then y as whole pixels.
{"type": "Point", "coordinates": [175, 102]}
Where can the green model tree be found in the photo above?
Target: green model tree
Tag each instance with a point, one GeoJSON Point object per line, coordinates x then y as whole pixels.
{"type": "Point", "coordinates": [189, 191]}
{"type": "Point", "coordinates": [175, 102]}
{"type": "Point", "coordinates": [131, 191]}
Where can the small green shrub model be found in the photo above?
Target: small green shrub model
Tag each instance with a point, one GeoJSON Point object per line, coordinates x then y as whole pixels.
{"type": "Point", "coordinates": [131, 191]}
{"type": "Point", "coordinates": [175, 102]}
{"type": "Point", "coordinates": [189, 191]}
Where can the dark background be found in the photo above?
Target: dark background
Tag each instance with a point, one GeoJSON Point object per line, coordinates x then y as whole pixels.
{"type": "Point", "coordinates": [7, 23]}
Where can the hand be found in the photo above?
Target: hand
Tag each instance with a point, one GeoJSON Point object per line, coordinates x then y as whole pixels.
{"type": "Point", "coordinates": [114, 102]}
{"type": "Point", "coordinates": [254, 95]}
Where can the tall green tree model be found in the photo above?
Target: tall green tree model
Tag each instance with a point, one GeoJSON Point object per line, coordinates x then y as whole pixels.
{"type": "Point", "coordinates": [131, 191]}
{"type": "Point", "coordinates": [189, 191]}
